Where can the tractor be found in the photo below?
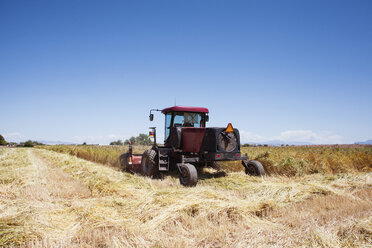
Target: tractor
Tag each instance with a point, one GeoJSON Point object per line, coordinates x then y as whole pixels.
{"type": "Point", "coordinates": [188, 145]}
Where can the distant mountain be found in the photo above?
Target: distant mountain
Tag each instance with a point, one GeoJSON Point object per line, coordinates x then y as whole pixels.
{"type": "Point", "coordinates": [368, 142]}
{"type": "Point", "coordinates": [48, 142]}
{"type": "Point", "coordinates": [296, 143]}
{"type": "Point", "coordinates": [280, 142]}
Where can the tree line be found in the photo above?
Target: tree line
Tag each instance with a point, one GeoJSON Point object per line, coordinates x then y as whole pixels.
{"type": "Point", "coordinates": [141, 139]}
{"type": "Point", "coordinates": [28, 143]}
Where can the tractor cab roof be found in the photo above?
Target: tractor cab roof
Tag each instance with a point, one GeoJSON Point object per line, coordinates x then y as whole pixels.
{"type": "Point", "coordinates": [185, 109]}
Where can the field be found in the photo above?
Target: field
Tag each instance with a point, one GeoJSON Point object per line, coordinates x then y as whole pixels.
{"type": "Point", "coordinates": [312, 197]}
{"type": "Point", "coordinates": [287, 161]}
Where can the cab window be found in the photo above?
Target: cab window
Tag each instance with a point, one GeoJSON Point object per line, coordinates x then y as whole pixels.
{"type": "Point", "coordinates": [183, 119]}
{"type": "Point", "coordinates": [168, 120]}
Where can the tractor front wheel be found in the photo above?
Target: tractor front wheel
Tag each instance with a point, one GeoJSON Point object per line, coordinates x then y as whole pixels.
{"type": "Point", "coordinates": [149, 166]}
{"type": "Point", "coordinates": [188, 175]}
{"type": "Point", "coordinates": [254, 168]}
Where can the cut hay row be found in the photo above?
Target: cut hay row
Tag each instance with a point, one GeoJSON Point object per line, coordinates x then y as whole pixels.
{"type": "Point", "coordinates": [116, 209]}
{"type": "Point", "coordinates": [2, 151]}
{"type": "Point", "coordinates": [14, 213]}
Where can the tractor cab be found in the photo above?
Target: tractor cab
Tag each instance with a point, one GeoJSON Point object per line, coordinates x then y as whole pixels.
{"type": "Point", "coordinates": [179, 117]}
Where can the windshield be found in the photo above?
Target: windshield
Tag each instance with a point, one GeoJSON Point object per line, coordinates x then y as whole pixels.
{"type": "Point", "coordinates": [183, 119]}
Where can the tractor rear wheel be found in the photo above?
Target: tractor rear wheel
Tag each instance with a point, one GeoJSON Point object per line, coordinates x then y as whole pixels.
{"type": "Point", "coordinates": [254, 168]}
{"type": "Point", "coordinates": [124, 166]}
{"type": "Point", "coordinates": [188, 175]}
{"type": "Point", "coordinates": [149, 166]}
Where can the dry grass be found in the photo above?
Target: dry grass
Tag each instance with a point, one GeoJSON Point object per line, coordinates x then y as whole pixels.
{"type": "Point", "coordinates": [62, 201]}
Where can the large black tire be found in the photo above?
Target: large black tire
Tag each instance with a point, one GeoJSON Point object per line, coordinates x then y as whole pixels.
{"type": "Point", "coordinates": [188, 175]}
{"type": "Point", "coordinates": [149, 166]}
{"type": "Point", "coordinates": [124, 166]}
{"type": "Point", "coordinates": [254, 168]}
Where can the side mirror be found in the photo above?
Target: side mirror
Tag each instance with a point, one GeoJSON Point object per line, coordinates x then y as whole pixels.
{"type": "Point", "coordinates": [206, 118]}
{"type": "Point", "coordinates": [151, 117]}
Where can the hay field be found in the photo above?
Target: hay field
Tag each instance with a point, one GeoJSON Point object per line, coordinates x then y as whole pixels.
{"type": "Point", "coordinates": [286, 161]}
{"type": "Point", "coordinates": [50, 199]}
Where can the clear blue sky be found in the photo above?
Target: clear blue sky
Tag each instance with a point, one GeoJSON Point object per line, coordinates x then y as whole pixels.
{"type": "Point", "coordinates": [91, 70]}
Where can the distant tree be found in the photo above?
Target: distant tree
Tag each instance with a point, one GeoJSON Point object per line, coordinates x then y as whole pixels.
{"type": "Point", "coordinates": [2, 141]}
{"type": "Point", "coordinates": [117, 143]}
{"type": "Point", "coordinates": [28, 143]}
{"type": "Point", "coordinates": [130, 140]}
{"type": "Point", "coordinates": [37, 143]}
{"type": "Point", "coordinates": [85, 143]}
{"type": "Point", "coordinates": [141, 139]}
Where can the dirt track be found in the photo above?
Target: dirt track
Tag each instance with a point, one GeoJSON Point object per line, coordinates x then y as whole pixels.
{"type": "Point", "coordinates": [56, 184]}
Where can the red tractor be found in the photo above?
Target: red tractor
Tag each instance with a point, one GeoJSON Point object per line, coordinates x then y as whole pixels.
{"type": "Point", "coordinates": [188, 144]}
